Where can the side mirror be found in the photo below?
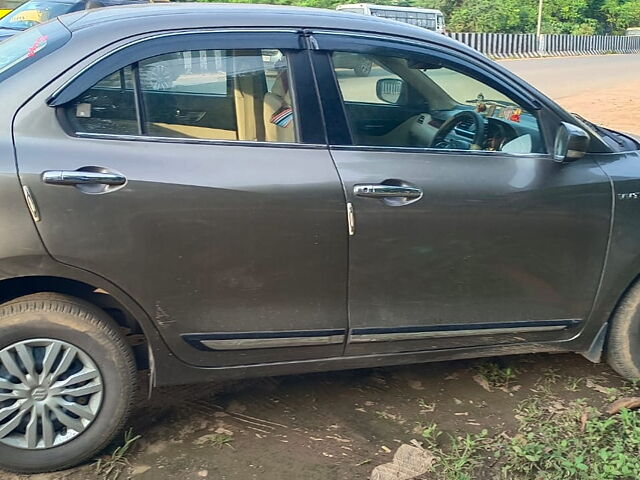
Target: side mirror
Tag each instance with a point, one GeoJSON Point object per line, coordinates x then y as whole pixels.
{"type": "Point", "coordinates": [571, 143]}
{"type": "Point", "coordinates": [389, 89]}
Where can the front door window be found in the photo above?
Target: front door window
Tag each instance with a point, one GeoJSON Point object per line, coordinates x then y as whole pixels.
{"type": "Point", "coordinates": [407, 102]}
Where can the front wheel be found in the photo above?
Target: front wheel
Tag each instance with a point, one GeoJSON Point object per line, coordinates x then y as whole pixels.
{"type": "Point", "coordinates": [67, 382]}
{"type": "Point", "coordinates": [623, 343]}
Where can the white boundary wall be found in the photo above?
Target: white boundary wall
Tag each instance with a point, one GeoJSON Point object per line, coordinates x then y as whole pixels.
{"type": "Point", "coordinates": [521, 45]}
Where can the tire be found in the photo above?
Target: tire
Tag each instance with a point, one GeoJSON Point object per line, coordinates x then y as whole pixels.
{"type": "Point", "coordinates": [363, 69]}
{"type": "Point", "coordinates": [97, 407]}
{"type": "Point", "coordinates": [623, 343]}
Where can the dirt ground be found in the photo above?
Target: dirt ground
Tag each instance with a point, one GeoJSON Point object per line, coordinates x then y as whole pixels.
{"type": "Point", "coordinates": [617, 107]}
{"type": "Point", "coordinates": [602, 88]}
{"type": "Point", "coordinates": [330, 426]}
{"type": "Point", "coordinates": [339, 426]}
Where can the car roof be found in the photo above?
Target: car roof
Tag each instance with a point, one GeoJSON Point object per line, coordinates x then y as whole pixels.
{"type": "Point", "coordinates": [138, 19]}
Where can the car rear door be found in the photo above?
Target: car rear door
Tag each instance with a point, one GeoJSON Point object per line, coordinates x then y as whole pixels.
{"type": "Point", "coordinates": [206, 193]}
{"type": "Point", "coordinates": [454, 248]}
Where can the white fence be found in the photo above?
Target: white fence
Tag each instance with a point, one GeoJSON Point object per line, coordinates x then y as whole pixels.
{"type": "Point", "coordinates": [510, 45]}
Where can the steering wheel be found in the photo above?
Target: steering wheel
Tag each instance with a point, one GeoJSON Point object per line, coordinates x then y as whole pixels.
{"type": "Point", "coordinates": [440, 138]}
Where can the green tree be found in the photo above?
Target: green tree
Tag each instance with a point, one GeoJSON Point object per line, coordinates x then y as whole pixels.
{"type": "Point", "coordinates": [577, 17]}
{"type": "Point", "coordinates": [620, 14]}
{"type": "Point", "coordinates": [506, 16]}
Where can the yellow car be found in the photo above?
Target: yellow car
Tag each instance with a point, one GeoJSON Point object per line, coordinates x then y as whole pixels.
{"type": "Point", "coordinates": [19, 16]}
{"type": "Point", "coordinates": [6, 6]}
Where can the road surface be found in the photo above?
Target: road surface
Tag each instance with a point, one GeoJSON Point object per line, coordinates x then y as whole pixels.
{"type": "Point", "coordinates": [601, 88]}
{"type": "Point", "coordinates": [560, 77]}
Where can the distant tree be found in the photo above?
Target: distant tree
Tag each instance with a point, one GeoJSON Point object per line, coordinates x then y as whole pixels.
{"type": "Point", "coordinates": [620, 15]}
{"type": "Point", "coordinates": [507, 16]}
{"type": "Point", "coordinates": [577, 17]}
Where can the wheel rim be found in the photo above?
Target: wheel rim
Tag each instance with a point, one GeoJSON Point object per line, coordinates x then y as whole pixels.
{"type": "Point", "coordinates": [50, 392]}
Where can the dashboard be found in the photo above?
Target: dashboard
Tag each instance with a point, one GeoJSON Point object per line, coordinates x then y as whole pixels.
{"type": "Point", "coordinates": [502, 125]}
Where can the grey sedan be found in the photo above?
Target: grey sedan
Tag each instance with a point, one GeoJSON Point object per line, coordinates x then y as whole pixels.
{"type": "Point", "coordinates": [209, 192]}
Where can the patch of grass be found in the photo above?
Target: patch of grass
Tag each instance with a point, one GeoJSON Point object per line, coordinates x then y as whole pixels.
{"type": "Point", "coordinates": [495, 375]}
{"type": "Point", "coordinates": [550, 377]}
{"type": "Point", "coordinates": [577, 443]}
{"type": "Point", "coordinates": [430, 435]}
{"type": "Point", "coordinates": [554, 440]}
{"type": "Point", "coordinates": [458, 456]}
{"type": "Point", "coordinates": [219, 440]}
{"type": "Point", "coordinates": [574, 383]}
{"type": "Point", "coordinates": [110, 468]}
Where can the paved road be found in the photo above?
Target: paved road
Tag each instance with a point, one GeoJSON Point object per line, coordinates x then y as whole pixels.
{"type": "Point", "coordinates": [560, 77]}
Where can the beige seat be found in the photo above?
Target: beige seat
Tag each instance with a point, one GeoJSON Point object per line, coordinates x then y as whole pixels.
{"type": "Point", "coordinates": [249, 90]}
{"type": "Point", "coordinates": [275, 100]}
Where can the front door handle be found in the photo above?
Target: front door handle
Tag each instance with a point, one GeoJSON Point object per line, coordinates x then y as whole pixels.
{"type": "Point", "coordinates": [82, 177]}
{"type": "Point", "coordinates": [386, 191]}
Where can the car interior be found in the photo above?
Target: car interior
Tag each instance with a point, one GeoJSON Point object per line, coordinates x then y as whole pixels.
{"type": "Point", "coordinates": [245, 95]}
{"type": "Point", "coordinates": [416, 104]}
{"type": "Point", "coordinates": [214, 95]}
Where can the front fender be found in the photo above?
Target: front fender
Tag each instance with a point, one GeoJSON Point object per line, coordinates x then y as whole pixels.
{"type": "Point", "coordinates": [622, 266]}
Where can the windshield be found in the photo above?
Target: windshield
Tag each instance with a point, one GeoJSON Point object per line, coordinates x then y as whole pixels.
{"type": "Point", "coordinates": [464, 89]}
{"type": "Point", "coordinates": [33, 13]}
{"type": "Point", "coordinates": [28, 47]}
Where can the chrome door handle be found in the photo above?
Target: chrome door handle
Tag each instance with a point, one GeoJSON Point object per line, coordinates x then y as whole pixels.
{"type": "Point", "coordinates": [80, 177]}
{"type": "Point", "coordinates": [386, 191]}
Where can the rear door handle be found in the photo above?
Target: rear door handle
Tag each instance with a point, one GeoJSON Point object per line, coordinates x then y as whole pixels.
{"type": "Point", "coordinates": [386, 191]}
{"type": "Point", "coordinates": [80, 177]}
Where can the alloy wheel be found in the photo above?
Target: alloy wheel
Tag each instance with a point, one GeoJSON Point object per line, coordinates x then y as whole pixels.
{"type": "Point", "coordinates": [50, 392]}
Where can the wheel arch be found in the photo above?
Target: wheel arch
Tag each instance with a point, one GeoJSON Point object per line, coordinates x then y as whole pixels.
{"type": "Point", "coordinates": [15, 287]}
{"type": "Point", "coordinates": [605, 309]}
{"type": "Point", "coordinates": [26, 275]}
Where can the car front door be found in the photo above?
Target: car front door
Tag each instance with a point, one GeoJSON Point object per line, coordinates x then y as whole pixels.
{"type": "Point", "coordinates": [458, 239]}
{"type": "Point", "coordinates": [190, 171]}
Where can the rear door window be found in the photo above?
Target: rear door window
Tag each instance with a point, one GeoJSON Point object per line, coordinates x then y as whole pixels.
{"type": "Point", "coordinates": [107, 107]}
{"type": "Point", "coordinates": [241, 94]}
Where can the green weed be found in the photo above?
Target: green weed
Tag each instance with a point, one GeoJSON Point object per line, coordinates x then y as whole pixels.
{"type": "Point", "coordinates": [111, 467]}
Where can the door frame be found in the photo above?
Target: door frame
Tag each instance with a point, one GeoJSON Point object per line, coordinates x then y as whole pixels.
{"type": "Point", "coordinates": [310, 125]}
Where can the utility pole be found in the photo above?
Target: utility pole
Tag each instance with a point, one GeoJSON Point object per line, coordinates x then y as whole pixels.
{"type": "Point", "coordinates": [539, 26]}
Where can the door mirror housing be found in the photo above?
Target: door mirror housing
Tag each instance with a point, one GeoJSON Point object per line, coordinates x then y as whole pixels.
{"type": "Point", "coordinates": [389, 90]}
{"type": "Point", "coordinates": [571, 143]}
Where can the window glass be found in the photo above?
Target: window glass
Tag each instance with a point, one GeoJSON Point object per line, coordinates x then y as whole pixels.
{"type": "Point", "coordinates": [404, 102]}
{"type": "Point", "coordinates": [204, 94]}
{"type": "Point", "coordinates": [107, 107]}
{"type": "Point", "coordinates": [219, 94]}
{"type": "Point", "coordinates": [350, 65]}
{"type": "Point", "coordinates": [33, 13]}
{"type": "Point", "coordinates": [27, 47]}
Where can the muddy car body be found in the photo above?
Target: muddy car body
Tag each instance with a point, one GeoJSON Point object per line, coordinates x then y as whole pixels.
{"type": "Point", "coordinates": [274, 226]}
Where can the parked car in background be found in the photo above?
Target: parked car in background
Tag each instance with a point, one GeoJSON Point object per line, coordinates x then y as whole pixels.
{"type": "Point", "coordinates": [34, 12]}
{"type": "Point", "coordinates": [7, 5]}
{"type": "Point", "coordinates": [266, 212]}
{"type": "Point", "coordinates": [428, 18]}
{"type": "Point", "coordinates": [633, 32]}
